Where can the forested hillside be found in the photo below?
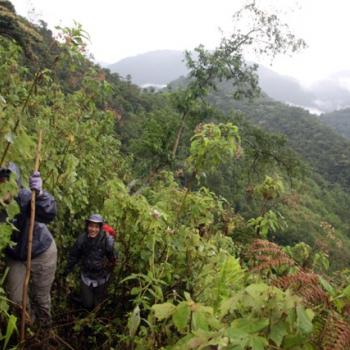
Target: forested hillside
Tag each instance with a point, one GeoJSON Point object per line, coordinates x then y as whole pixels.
{"type": "Point", "coordinates": [229, 236]}
{"type": "Point", "coordinates": [326, 152]}
{"type": "Point", "coordinates": [338, 121]}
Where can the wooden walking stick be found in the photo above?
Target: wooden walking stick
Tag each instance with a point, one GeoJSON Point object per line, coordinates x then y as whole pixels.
{"type": "Point", "coordinates": [29, 243]}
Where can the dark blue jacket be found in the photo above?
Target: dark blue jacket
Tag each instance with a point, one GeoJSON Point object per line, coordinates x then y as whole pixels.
{"type": "Point", "coordinates": [45, 212]}
{"type": "Point", "coordinates": [94, 254]}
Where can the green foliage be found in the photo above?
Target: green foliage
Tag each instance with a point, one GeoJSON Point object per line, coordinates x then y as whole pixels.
{"type": "Point", "coordinates": [151, 146]}
{"type": "Point", "coordinates": [7, 191]}
{"type": "Point", "coordinates": [270, 189]}
{"type": "Point", "coordinates": [315, 143]}
{"type": "Point", "coordinates": [320, 262]}
{"type": "Point", "coordinates": [134, 321]}
{"type": "Point", "coordinates": [211, 145]}
{"type": "Point", "coordinates": [300, 253]}
{"type": "Point", "coordinates": [182, 280]}
{"type": "Point", "coordinates": [251, 318]}
{"type": "Point", "coordinates": [269, 222]}
{"type": "Point", "coordinates": [6, 318]}
{"type": "Point", "coordinates": [79, 143]}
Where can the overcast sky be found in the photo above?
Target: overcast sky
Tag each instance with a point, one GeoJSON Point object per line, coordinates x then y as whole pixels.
{"type": "Point", "coordinates": [122, 28]}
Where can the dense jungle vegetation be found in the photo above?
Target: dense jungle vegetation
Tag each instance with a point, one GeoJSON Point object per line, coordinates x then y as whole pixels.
{"type": "Point", "coordinates": [231, 209]}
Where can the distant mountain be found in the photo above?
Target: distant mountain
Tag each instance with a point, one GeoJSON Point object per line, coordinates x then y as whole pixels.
{"type": "Point", "coordinates": [285, 89]}
{"type": "Point", "coordinates": [156, 67]}
{"type": "Point", "coordinates": [161, 67]}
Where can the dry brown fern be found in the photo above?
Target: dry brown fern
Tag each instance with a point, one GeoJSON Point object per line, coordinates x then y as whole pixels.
{"type": "Point", "coordinates": [313, 295]}
{"type": "Point", "coordinates": [297, 280]}
{"type": "Point", "coordinates": [331, 332]}
{"type": "Point", "coordinates": [336, 334]}
{"type": "Point", "coordinates": [306, 285]}
{"type": "Point", "coordinates": [266, 255]}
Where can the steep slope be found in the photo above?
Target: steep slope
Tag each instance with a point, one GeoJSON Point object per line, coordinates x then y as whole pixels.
{"type": "Point", "coordinates": [338, 121]}
{"type": "Point", "coordinates": [326, 151]}
{"type": "Point", "coordinates": [173, 283]}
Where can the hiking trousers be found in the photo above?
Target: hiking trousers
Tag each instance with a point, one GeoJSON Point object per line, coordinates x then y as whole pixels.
{"type": "Point", "coordinates": [41, 278]}
{"type": "Point", "coordinates": [92, 296]}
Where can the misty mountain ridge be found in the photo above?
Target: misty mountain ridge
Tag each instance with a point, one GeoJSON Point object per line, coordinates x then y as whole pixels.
{"type": "Point", "coordinates": [158, 68]}
{"type": "Point", "coordinates": [152, 68]}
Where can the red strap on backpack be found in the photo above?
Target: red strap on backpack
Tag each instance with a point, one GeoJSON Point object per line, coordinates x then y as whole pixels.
{"type": "Point", "coordinates": [109, 229]}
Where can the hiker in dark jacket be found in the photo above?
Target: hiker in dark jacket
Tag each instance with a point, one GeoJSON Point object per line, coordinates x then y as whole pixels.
{"type": "Point", "coordinates": [95, 251]}
{"type": "Point", "coordinates": [44, 251]}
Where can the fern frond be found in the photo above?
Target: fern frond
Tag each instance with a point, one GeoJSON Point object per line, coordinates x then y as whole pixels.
{"type": "Point", "coordinates": [306, 285]}
{"type": "Point", "coordinates": [336, 334]}
{"type": "Point", "coordinates": [272, 263]}
{"type": "Point", "coordinates": [313, 295]}
{"type": "Point", "coordinates": [297, 280]}
{"type": "Point", "coordinates": [267, 255]}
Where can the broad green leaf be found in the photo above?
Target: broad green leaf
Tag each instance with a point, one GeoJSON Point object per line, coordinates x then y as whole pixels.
{"type": "Point", "coordinates": [12, 209]}
{"type": "Point", "coordinates": [181, 315]}
{"type": "Point", "coordinates": [11, 327]}
{"type": "Point", "coordinates": [278, 332]}
{"type": "Point", "coordinates": [327, 286]}
{"type": "Point", "coordinates": [242, 332]}
{"type": "Point", "coordinates": [4, 306]}
{"type": "Point", "coordinates": [256, 290]}
{"type": "Point", "coordinates": [200, 321]}
{"type": "Point", "coordinates": [204, 309]}
{"type": "Point", "coordinates": [238, 337]}
{"type": "Point", "coordinates": [346, 291]}
{"type": "Point", "coordinates": [304, 318]}
{"type": "Point", "coordinates": [163, 311]}
{"type": "Point", "coordinates": [135, 291]}
{"type": "Point", "coordinates": [227, 305]}
{"type": "Point", "coordinates": [250, 325]}
{"type": "Point", "coordinates": [183, 342]}
{"type": "Point", "coordinates": [339, 304]}
{"type": "Point", "coordinates": [134, 321]}
{"type": "Point", "coordinates": [295, 342]}
{"type": "Point", "coordinates": [257, 342]}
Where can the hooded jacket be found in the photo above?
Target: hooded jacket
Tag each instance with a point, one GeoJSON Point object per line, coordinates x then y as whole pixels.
{"type": "Point", "coordinates": [45, 212]}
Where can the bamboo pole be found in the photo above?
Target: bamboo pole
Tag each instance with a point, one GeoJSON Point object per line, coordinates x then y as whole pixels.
{"type": "Point", "coordinates": [29, 243]}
